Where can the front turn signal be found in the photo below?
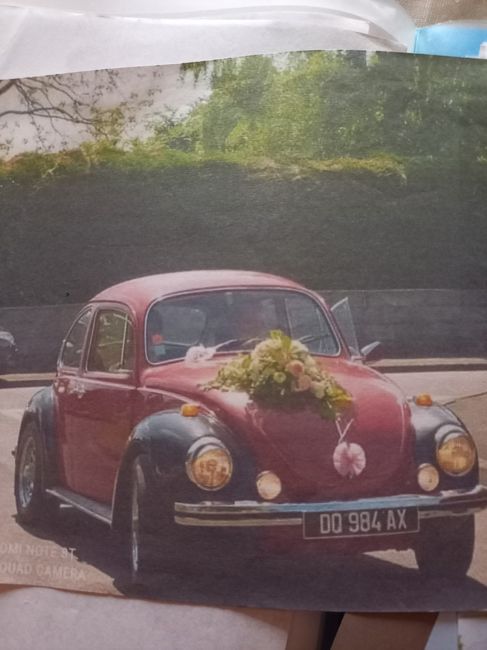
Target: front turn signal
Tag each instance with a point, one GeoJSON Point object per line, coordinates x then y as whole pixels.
{"type": "Point", "coordinates": [423, 399]}
{"type": "Point", "coordinates": [190, 410]}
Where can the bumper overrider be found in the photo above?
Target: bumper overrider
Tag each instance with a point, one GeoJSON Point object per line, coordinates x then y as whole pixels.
{"type": "Point", "coordinates": [406, 508]}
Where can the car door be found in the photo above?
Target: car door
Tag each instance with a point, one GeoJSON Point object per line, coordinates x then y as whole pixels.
{"type": "Point", "coordinates": [66, 390]}
{"type": "Point", "coordinates": [99, 419]}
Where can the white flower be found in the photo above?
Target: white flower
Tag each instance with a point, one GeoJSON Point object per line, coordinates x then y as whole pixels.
{"type": "Point", "coordinates": [298, 348]}
{"type": "Point", "coordinates": [310, 364]}
{"type": "Point", "coordinates": [318, 389]}
{"type": "Point", "coordinates": [198, 353]}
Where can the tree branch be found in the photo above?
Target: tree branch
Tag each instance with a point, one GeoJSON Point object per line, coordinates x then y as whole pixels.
{"type": "Point", "coordinates": [6, 86]}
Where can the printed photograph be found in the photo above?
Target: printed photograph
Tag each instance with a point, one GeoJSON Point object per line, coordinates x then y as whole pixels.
{"type": "Point", "coordinates": [243, 332]}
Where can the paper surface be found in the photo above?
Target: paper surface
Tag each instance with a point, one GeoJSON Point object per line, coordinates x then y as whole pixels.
{"type": "Point", "coordinates": [57, 620]}
{"type": "Point", "coordinates": [36, 59]}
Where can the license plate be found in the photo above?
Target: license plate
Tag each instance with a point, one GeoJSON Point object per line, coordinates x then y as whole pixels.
{"type": "Point", "coordinates": [360, 523]}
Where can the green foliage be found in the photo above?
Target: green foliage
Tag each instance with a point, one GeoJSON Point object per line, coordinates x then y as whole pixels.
{"type": "Point", "coordinates": [99, 154]}
{"type": "Point", "coordinates": [381, 114]}
{"type": "Point", "coordinates": [386, 115]}
{"type": "Point", "coordinates": [41, 165]}
{"type": "Point", "coordinates": [379, 165]}
{"type": "Point", "coordinates": [379, 111]}
{"type": "Point", "coordinates": [108, 125]}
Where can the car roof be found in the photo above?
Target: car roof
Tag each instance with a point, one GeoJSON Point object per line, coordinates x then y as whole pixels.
{"type": "Point", "coordinates": [140, 292]}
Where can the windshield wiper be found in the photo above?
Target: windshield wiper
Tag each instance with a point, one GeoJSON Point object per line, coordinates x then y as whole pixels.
{"type": "Point", "coordinates": [308, 338]}
{"type": "Point", "coordinates": [241, 342]}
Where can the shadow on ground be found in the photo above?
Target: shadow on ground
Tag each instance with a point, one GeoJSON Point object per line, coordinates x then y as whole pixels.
{"type": "Point", "coordinates": [331, 583]}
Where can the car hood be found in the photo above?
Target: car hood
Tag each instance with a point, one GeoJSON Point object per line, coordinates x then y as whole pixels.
{"type": "Point", "coordinates": [299, 445]}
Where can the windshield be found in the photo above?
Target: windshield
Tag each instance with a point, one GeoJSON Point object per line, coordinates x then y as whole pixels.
{"type": "Point", "coordinates": [235, 320]}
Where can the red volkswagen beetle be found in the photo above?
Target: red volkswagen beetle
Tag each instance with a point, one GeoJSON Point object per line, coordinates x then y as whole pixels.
{"type": "Point", "coordinates": [139, 430]}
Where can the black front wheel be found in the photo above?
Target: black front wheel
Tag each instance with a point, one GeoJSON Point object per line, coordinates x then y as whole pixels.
{"type": "Point", "coordinates": [445, 547]}
{"type": "Point", "coordinates": [144, 554]}
{"type": "Point", "coordinates": [34, 505]}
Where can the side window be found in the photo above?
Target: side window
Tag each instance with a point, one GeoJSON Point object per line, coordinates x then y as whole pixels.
{"type": "Point", "coordinates": [182, 323]}
{"type": "Point", "coordinates": [73, 344]}
{"type": "Point", "coordinates": [112, 347]}
{"type": "Point", "coordinates": [172, 327]}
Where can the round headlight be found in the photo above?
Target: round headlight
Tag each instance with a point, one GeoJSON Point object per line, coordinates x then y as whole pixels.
{"type": "Point", "coordinates": [428, 477]}
{"type": "Point", "coordinates": [456, 454]}
{"type": "Point", "coordinates": [268, 485]}
{"type": "Point", "coordinates": [210, 466]}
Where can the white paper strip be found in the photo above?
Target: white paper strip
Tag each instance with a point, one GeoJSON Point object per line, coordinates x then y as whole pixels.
{"type": "Point", "coordinates": [38, 41]}
{"type": "Point", "coordinates": [388, 15]}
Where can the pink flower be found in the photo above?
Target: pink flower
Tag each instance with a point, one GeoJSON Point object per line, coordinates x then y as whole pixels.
{"type": "Point", "coordinates": [349, 459]}
{"type": "Point", "coordinates": [303, 383]}
{"type": "Point", "coordinates": [295, 367]}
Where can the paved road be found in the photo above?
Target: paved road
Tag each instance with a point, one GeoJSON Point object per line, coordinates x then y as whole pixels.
{"type": "Point", "coordinates": [81, 553]}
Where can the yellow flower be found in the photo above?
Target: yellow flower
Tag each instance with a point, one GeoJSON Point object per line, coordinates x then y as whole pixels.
{"type": "Point", "coordinates": [342, 401]}
{"type": "Point", "coordinates": [279, 377]}
{"type": "Point", "coordinates": [264, 347]}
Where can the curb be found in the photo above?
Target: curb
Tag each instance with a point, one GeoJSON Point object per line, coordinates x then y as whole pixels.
{"type": "Point", "coordinates": [429, 365]}
{"type": "Point", "coordinates": [26, 380]}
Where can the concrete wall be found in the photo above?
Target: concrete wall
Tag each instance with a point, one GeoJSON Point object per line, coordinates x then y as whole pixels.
{"type": "Point", "coordinates": [38, 332]}
{"type": "Point", "coordinates": [409, 323]}
{"type": "Point", "coordinates": [420, 322]}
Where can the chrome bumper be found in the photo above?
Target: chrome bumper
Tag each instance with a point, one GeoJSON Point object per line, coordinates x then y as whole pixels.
{"type": "Point", "coordinates": [251, 514]}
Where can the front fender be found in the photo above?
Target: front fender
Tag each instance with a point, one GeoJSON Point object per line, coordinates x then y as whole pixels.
{"type": "Point", "coordinates": [41, 409]}
{"type": "Point", "coordinates": [165, 438]}
{"type": "Point", "coordinates": [430, 424]}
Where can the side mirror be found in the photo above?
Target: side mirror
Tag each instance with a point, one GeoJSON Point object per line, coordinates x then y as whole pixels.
{"type": "Point", "coordinates": [371, 352]}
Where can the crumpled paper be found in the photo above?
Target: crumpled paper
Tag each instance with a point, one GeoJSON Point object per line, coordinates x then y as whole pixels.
{"type": "Point", "coordinates": [40, 38]}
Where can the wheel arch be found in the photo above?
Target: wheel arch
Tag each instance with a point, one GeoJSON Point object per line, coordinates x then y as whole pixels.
{"type": "Point", "coordinates": [165, 438]}
{"type": "Point", "coordinates": [430, 425]}
{"type": "Point", "coordinates": [41, 410]}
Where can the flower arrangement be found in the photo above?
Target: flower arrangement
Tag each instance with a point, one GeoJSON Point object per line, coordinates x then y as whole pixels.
{"type": "Point", "coordinates": [281, 372]}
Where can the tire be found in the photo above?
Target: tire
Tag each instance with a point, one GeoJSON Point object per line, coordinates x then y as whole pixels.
{"type": "Point", "coordinates": [143, 531]}
{"type": "Point", "coordinates": [32, 502]}
{"type": "Point", "coordinates": [445, 547]}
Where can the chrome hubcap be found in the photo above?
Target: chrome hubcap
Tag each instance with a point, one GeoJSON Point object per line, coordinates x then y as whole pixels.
{"type": "Point", "coordinates": [135, 530]}
{"type": "Point", "coordinates": [27, 470]}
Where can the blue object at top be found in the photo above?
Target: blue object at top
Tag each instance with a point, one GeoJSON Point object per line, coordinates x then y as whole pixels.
{"type": "Point", "coordinates": [451, 39]}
